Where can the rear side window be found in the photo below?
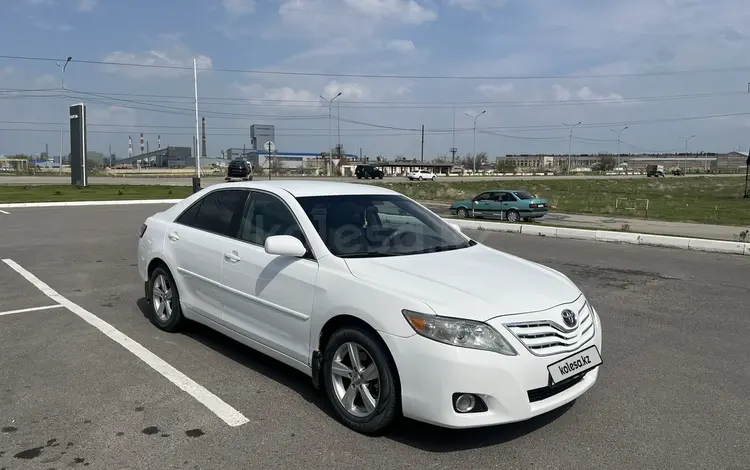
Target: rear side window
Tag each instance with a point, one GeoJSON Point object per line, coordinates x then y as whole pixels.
{"type": "Point", "coordinates": [218, 212]}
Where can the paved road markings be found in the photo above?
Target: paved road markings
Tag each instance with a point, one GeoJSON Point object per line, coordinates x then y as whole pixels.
{"type": "Point", "coordinates": [4, 212]}
{"type": "Point", "coordinates": [220, 408]}
{"type": "Point", "coordinates": [32, 309]}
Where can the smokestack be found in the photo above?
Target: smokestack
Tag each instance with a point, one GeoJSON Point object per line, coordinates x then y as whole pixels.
{"type": "Point", "coordinates": [130, 146]}
{"type": "Point", "coordinates": [147, 146]}
{"type": "Point", "coordinates": [203, 138]}
{"type": "Point", "coordinates": [158, 142]}
{"type": "Point", "coordinates": [142, 145]}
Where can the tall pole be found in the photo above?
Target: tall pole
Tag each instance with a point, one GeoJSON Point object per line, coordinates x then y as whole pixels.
{"type": "Point", "coordinates": [65, 112]}
{"type": "Point", "coordinates": [422, 151]}
{"type": "Point", "coordinates": [618, 142]}
{"type": "Point", "coordinates": [475, 139]}
{"type": "Point", "coordinates": [570, 141]}
{"type": "Point", "coordinates": [453, 148]}
{"type": "Point", "coordinates": [686, 149]}
{"type": "Point", "coordinates": [197, 124]}
{"type": "Point", "coordinates": [338, 128]}
{"type": "Point", "coordinates": [330, 116]}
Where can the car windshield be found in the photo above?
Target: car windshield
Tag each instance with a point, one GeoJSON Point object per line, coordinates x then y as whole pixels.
{"type": "Point", "coordinates": [523, 195]}
{"type": "Point", "coordinates": [378, 225]}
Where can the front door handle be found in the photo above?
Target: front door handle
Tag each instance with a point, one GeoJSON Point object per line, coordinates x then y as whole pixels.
{"type": "Point", "coordinates": [232, 257]}
{"type": "Point", "coordinates": [173, 236]}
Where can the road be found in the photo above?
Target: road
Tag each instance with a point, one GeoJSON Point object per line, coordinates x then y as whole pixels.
{"type": "Point", "coordinates": [672, 391]}
{"type": "Point", "coordinates": [209, 180]}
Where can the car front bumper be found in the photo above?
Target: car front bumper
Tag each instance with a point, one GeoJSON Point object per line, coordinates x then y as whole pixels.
{"type": "Point", "coordinates": [431, 373]}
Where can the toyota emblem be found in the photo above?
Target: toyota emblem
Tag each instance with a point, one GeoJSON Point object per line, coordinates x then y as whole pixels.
{"type": "Point", "coordinates": [569, 318]}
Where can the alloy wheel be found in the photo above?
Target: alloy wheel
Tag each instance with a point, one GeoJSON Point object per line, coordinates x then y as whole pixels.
{"type": "Point", "coordinates": [162, 298]}
{"type": "Point", "coordinates": [355, 379]}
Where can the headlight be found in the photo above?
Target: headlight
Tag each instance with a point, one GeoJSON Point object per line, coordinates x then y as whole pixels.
{"type": "Point", "coordinates": [457, 332]}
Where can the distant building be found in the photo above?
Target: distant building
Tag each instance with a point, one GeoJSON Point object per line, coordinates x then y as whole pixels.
{"type": "Point", "coordinates": [167, 157]}
{"type": "Point", "coordinates": [260, 134]}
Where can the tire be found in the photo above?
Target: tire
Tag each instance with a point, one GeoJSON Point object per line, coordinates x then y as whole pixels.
{"type": "Point", "coordinates": [371, 353]}
{"type": "Point", "coordinates": [527, 219]}
{"type": "Point", "coordinates": [434, 178]}
{"type": "Point", "coordinates": [462, 213]}
{"type": "Point", "coordinates": [420, 178]}
{"type": "Point", "coordinates": [170, 319]}
{"type": "Point", "coordinates": [381, 177]}
{"type": "Point", "coordinates": [513, 216]}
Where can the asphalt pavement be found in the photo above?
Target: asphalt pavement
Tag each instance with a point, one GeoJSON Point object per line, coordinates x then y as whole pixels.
{"type": "Point", "coordinates": [672, 392]}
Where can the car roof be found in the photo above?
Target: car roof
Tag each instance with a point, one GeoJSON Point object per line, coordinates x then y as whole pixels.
{"type": "Point", "coordinates": [305, 188]}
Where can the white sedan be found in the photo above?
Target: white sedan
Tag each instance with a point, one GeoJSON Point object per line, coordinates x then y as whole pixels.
{"type": "Point", "coordinates": [389, 308]}
{"type": "Point", "coordinates": [422, 175]}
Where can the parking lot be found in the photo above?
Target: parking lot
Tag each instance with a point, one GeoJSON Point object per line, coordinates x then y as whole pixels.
{"type": "Point", "coordinates": [87, 381]}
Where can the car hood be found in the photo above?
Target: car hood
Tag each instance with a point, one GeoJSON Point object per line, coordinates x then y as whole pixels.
{"type": "Point", "coordinates": [476, 283]}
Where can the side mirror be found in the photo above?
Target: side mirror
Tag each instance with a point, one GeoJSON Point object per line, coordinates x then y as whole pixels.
{"type": "Point", "coordinates": [455, 227]}
{"type": "Point", "coordinates": [285, 245]}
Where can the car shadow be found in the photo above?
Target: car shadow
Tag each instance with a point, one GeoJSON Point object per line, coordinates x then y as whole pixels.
{"type": "Point", "coordinates": [412, 433]}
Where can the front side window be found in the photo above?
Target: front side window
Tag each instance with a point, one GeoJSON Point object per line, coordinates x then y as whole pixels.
{"type": "Point", "coordinates": [358, 226]}
{"type": "Point", "coordinates": [217, 212]}
{"type": "Point", "coordinates": [267, 215]}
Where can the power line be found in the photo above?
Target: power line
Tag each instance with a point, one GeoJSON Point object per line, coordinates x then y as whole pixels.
{"type": "Point", "coordinates": [394, 76]}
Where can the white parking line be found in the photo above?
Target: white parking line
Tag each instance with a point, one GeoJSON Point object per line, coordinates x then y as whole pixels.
{"type": "Point", "coordinates": [4, 212]}
{"type": "Point", "coordinates": [220, 408]}
{"type": "Point", "coordinates": [32, 309]}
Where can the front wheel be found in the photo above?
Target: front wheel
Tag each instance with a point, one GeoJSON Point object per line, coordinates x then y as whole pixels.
{"type": "Point", "coordinates": [434, 178]}
{"type": "Point", "coordinates": [462, 213]}
{"type": "Point", "coordinates": [359, 379]}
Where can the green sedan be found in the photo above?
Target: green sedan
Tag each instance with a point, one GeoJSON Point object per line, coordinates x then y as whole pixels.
{"type": "Point", "coordinates": [510, 205]}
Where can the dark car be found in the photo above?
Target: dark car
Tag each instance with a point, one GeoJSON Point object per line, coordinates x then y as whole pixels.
{"type": "Point", "coordinates": [239, 169]}
{"type": "Point", "coordinates": [368, 171]}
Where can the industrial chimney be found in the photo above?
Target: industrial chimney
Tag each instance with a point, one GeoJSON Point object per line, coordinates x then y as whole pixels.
{"type": "Point", "coordinates": [130, 146]}
{"type": "Point", "coordinates": [158, 142]}
{"type": "Point", "coordinates": [203, 138]}
{"type": "Point", "coordinates": [142, 144]}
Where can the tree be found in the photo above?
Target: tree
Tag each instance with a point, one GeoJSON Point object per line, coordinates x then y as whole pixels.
{"type": "Point", "coordinates": [605, 164]}
{"type": "Point", "coordinates": [505, 166]}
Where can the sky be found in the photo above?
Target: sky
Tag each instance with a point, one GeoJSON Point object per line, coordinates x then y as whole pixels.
{"type": "Point", "coordinates": [665, 69]}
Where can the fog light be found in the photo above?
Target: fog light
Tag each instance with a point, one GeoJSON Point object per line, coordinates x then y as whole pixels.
{"type": "Point", "coordinates": [465, 403]}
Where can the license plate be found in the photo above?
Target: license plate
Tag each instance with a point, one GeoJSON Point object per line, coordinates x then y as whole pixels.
{"type": "Point", "coordinates": [575, 364]}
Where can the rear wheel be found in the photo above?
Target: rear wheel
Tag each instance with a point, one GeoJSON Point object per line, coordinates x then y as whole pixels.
{"type": "Point", "coordinates": [359, 380]}
{"type": "Point", "coordinates": [166, 312]}
{"type": "Point", "coordinates": [513, 216]}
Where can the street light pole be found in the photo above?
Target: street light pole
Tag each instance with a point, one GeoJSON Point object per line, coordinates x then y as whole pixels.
{"type": "Point", "coordinates": [475, 139]}
{"type": "Point", "coordinates": [62, 101]}
{"type": "Point", "coordinates": [618, 142]}
{"type": "Point", "coordinates": [686, 148]}
{"type": "Point", "coordinates": [570, 142]}
{"type": "Point", "coordinates": [330, 116]}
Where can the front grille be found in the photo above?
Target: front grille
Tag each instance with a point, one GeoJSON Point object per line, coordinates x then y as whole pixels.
{"type": "Point", "coordinates": [547, 337]}
{"type": "Point", "coordinates": [539, 394]}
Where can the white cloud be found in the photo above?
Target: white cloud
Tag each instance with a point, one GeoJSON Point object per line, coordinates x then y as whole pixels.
{"type": "Point", "coordinates": [112, 116]}
{"type": "Point", "coordinates": [86, 5]}
{"type": "Point", "coordinates": [349, 91]}
{"type": "Point", "coordinates": [478, 5]}
{"type": "Point", "coordinates": [405, 11]}
{"type": "Point", "coordinates": [403, 46]}
{"type": "Point", "coordinates": [585, 93]}
{"type": "Point", "coordinates": [239, 7]}
{"type": "Point", "coordinates": [171, 53]}
{"type": "Point", "coordinates": [490, 89]}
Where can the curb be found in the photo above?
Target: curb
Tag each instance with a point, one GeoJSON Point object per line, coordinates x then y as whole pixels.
{"type": "Point", "coordinates": [683, 243]}
{"type": "Point", "coordinates": [23, 205]}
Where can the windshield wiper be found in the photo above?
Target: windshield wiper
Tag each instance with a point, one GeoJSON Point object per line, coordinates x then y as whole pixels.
{"type": "Point", "coordinates": [439, 248]}
{"type": "Point", "coordinates": [369, 254]}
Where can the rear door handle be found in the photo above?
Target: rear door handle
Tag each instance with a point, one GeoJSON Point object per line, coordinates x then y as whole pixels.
{"type": "Point", "coordinates": [232, 257]}
{"type": "Point", "coordinates": [173, 236]}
